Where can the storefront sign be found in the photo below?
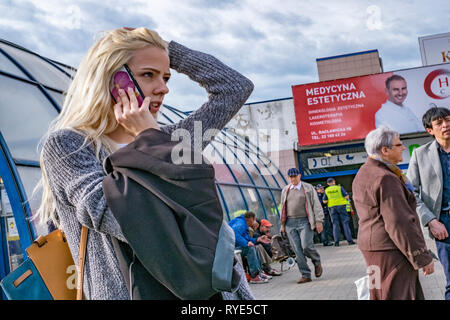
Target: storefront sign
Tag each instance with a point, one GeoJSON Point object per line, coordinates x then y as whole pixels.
{"type": "Point", "coordinates": [435, 49]}
{"type": "Point", "coordinates": [348, 109]}
{"type": "Point", "coordinates": [337, 160]}
{"type": "Point", "coordinates": [361, 157]}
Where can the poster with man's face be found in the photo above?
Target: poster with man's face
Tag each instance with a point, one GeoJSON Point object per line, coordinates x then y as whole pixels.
{"type": "Point", "coordinates": [348, 109]}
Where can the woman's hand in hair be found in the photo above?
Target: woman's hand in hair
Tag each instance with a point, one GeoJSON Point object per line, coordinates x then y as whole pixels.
{"type": "Point", "coordinates": [130, 116]}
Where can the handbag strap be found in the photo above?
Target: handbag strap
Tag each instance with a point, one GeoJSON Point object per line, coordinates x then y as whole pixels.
{"type": "Point", "coordinates": [81, 259]}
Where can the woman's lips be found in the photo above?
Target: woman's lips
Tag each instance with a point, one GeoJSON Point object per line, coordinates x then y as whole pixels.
{"type": "Point", "coordinates": [154, 106]}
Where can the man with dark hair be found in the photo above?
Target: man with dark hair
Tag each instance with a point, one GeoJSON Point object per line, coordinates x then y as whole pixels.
{"type": "Point", "coordinates": [337, 199]}
{"type": "Point", "coordinates": [392, 78]}
{"type": "Point", "coordinates": [434, 114]}
{"type": "Point", "coordinates": [246, 243]}
{"type": "Point", "coordinates": [393, 113]}
{"type": "Point", "coordinates": [429, 174]}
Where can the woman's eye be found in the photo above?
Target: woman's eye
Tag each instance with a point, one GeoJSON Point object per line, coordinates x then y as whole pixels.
{"type": "Point", "coordinates": [148, 74]}
{"type": "Point", "coordinates": [166, 79]}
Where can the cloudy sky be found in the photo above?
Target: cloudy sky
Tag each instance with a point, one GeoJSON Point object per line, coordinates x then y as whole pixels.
{"type": "Point", "coordinates": [274, 43]}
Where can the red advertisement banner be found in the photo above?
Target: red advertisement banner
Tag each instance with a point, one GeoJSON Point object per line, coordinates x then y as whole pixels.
{"type": "Point", "coordinates": [348, 109]}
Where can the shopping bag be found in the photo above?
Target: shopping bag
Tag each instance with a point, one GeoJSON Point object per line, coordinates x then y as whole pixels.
{"type": "Point", "coordinates": [362, 288]}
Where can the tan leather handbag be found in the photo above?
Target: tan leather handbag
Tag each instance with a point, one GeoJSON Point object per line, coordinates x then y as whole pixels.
{"type": "Point", "coordinates": [46, 274]}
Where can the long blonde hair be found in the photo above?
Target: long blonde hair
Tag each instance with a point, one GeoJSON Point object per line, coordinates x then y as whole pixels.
{"type": "Point", "coordinates": [88, 106]}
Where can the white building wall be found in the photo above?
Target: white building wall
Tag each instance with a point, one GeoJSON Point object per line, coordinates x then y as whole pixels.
{"type": "Point", "coordinates": [269, 125]}
{"type": "Point", "coordinates": [272, 127]}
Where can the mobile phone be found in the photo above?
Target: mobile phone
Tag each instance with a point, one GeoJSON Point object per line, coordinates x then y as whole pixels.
{"type": "Point", "coordinates": [123, 79]}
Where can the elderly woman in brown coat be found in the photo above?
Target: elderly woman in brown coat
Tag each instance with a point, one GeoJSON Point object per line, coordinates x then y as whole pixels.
{"type": "Point", "coordinates": [389, 236]}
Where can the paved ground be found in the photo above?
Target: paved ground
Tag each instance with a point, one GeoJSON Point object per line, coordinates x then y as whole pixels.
{"type": "Point", "coordinates": [342, 266]}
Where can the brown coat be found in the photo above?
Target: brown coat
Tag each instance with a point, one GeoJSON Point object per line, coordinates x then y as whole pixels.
{"type": "Point", "coordinates": [387, 214]}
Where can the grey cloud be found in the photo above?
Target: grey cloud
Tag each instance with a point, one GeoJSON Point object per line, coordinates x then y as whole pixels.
{"type": "Point", "coordinates": [308, 31]}
{"type": "Point", "coordinates": [223, 4]}
{"type": "Point", "coordinates": [207, 29]}
{"type": "Point", "coordinates": [288, 19]}
{"type": "Point", "coordinates": [110, 17]}
{"type": "Point", "coordinates": [65, 41]}
{"type": "Point", "coordinates": [245, 31]}
{"type": "Point", "coordinates": [16, 14]}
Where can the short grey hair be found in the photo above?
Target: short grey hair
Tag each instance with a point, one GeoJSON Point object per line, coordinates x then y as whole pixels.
{"type": "Point", "coordinates": [379, 138]}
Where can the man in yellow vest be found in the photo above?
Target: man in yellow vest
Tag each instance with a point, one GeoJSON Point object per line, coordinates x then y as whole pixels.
{"type": "Point", "coordinates": [337, 199]}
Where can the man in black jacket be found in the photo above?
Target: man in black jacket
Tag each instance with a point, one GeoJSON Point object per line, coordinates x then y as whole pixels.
{"type": "Point", "coordinates": [327, 232]}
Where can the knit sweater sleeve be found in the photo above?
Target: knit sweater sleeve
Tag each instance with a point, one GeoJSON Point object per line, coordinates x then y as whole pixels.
{"type": "Point", "coordinates": [75, 176]}
{"type": "Point", "coordinates": [227, 91]}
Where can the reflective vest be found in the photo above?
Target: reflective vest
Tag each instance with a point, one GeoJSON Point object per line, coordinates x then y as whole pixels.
{"type": "Point", "coordinates": [335, 197]}
{"type": "Point", "coordinates": [238, 213]}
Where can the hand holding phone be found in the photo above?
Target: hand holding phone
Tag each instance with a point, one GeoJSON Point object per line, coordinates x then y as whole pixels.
{"type": "Point", "coordinates": [127, 110]}
{"type": "Point", "coordinates": [132, 118]}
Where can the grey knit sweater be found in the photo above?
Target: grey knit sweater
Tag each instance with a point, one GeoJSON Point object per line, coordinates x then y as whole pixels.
{"type": "Point", "coordinates": [76, 175]}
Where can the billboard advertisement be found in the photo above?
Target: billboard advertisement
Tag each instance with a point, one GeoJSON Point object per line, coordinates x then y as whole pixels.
{"type": "Point", "coordinates": [348, 109]}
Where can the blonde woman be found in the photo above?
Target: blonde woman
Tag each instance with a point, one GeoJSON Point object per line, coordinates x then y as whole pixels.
{"type": "Point", "coordinates": [91, 126]}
